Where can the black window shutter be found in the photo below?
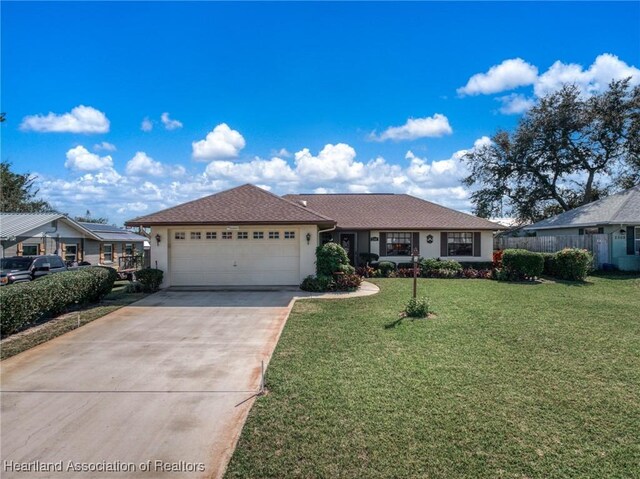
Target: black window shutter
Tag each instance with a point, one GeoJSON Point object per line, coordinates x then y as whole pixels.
{"type": "Point", "coordinates": [477, 244]}
{"type": "Point", "coordinates": [580, 231]}
{"type": "Point", "coordinates": [630, 239]}
{"type": "Point", "coordinates": [382, 240]}
{"type": "Point", "coordinates": [416, 242]}
{"type": "Point", "coordinates": [443, 244]}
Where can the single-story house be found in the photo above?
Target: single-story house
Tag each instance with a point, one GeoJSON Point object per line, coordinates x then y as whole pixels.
{"type": "Point", "coordinates": [617, 216]}
{"type": "Point", "coordinates": [31, 234]}
{"type": "Point", "coordinates": [249, 236]}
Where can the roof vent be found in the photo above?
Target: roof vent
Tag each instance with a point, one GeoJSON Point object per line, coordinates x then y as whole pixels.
{"type": "Point", "coordinates": [303, 203]}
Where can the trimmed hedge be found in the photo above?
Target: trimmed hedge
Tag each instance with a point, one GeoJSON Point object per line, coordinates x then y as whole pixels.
{"type": "Point", "coordinates": [150, 279]}
{"type": "Point", "coordinates": [23, 303]}
{"type": "Point", "coordinates": [439, 268]}
{"type": "Point", "coordinates": [384, 268]}
{"type": "Point", "coordinates": [337, 282]}
{"type": "Point", "coordinates": [521, 264]}
{"type": "Point", "coordinates": [572, 264]}
{"type": "Point", "coordinates": [332, 258]}
{"type": "Point", "coordinates": [549, 264]}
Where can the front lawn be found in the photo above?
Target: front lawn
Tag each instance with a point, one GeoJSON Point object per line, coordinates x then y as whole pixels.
{"type": "Point", "coordinates": [508, 380]}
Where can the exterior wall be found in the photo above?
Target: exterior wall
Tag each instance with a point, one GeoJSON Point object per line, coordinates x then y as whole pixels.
{"type": "Point", "coordinates": [160, 253]}
{"type": "Point", "coordinates": [308, 251]}
{"type": "Point", "coordinates": [432, 250]}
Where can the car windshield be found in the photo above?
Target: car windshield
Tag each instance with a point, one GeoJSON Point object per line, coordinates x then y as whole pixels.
{"type": "Point", "coordinates": [15, 263]}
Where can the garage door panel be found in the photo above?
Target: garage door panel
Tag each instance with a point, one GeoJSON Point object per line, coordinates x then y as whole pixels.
{"type": "Point", "coordinates": [234, 262]}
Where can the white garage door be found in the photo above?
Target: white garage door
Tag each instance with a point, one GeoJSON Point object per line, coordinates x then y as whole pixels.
{"type": "Point", "coordinates": [245, 257]}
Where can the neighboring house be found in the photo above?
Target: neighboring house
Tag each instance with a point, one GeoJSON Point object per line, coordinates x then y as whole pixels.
{"type": "Point", "coordinates": [31, 234]}
{"type": "Point", "coordinates": [248, 236]}
{"type": "Point", "coordinates": [617, 216]}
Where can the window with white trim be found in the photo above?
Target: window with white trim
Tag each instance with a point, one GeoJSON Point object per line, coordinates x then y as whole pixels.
{"type": "Point", "coordinates": [243, 235]}
{"type": "Point", "coordinates": [227, 235]}
{"type": "Point", "coordinates": [128, 249]}
{"type": "Point", "coordinates": [30, 250]}
{"type": "Point", "coordinates": [195, 235]}
{"type": "Point", "coordinates": [460, 244]}
{"type": "Point", "coordinates": [399, 243]}
{"type": "Point", "coordinates": [289, 235]}
{"type": "Point", "coordinates": [274, 235]}
{"type": "Point", "coordinates": [258, 235]}
{"type": "Point", "coordinates": [179, 235]}
{"type": "Point", "coordinates": [71, 252]}
{"type": "Point", "coordinates": [211, 235]}
{"type": "Point", "coordinates": [107, 253]}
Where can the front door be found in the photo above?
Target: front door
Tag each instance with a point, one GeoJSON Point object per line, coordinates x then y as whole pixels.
{"type": "Point", "coordinates": [348, 242]}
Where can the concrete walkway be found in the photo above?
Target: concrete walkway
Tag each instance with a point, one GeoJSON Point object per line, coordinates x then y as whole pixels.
{"type": "Point", "coordinates": [164, 384]}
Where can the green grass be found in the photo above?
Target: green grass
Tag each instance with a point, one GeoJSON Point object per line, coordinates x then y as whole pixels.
{"type": "Point", "coordinates": [507, 381]}
{"type": "Point", "coordinates": [55, 327]}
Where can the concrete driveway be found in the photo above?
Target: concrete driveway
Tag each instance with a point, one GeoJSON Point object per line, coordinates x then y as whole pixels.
{"type": "Point", "coordinates": [155, 385]}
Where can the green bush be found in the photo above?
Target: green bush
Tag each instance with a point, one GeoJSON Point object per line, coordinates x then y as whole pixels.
{"type": "Point", "coordinates": [150, 279]}
{"type": "Point", "coordinates": [439, 268]}
{"type": "Point", "coordinates": [368, 257]}
{"type": "Point", "coordinates": [318, 284]}
{"type": "Point", "coordinates": [332, 258]}
{"type": "Point", "coordinates": [385, 268]}
{"type": "Point", "coordinates": [549, 268]}
{"type": "Point", "coordinates": [417, 308]}
{"type": "Point", "coordinates": [573, 264]}
{"type": "Point", "coordinates": [347, 282]}
{"type": "Point", "coordinates": [520, 264]}
{"type": "Point", "coordinates": [22, 304]}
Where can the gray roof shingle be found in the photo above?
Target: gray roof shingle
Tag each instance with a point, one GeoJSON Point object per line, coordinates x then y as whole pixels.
{"type": "Point", "coordinates": [621, 208]}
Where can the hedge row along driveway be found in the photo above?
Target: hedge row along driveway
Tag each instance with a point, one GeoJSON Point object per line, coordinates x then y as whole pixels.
{"type": "Point", "coordinates": [508, 380]}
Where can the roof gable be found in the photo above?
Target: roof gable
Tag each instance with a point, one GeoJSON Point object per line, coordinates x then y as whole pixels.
{"type": "Point", "coordinates": [246, 204]}
{"type": "Point", "coordinates": [390, 211]}
{"type": "Point", "coordinates": [623, 207]}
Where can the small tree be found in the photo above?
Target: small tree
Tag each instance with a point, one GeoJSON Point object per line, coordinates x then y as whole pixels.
{"type": "Point", "coordinates": [332, 258]}
{"type": "Point", "coordinates": [88, 218]}
{"type": "Point", "coordinates": [18, 193]}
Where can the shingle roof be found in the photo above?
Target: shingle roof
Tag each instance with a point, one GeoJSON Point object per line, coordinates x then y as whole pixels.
{"type": "Point", "coordinates": [17, 224]}
{"type": "Point", "coordinates": [390, 211]}
{"type": "Point", "coordinates": [246, 204]}
{"type": "Point", "coordinates": [621, 208]}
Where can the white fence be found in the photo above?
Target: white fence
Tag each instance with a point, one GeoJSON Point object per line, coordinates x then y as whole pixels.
{"type": "Point", "coordinates": [597, 244]}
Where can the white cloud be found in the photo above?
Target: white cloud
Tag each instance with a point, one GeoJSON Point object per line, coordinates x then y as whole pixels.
{"type": "Point", "coordinates": [275, 170]}
{"type": "Point", "coordinates": [82, 119]}
{"type": "Point", "coordinates": [508, 75]}
{"type": "Point", "coordinates": [283, 153]}
{"type": "Point", "coordinates": [142, 165]}
{"type": "Point", "coordinates": [434, 126]}
{"type": "Point", "coordinates": [146, 125]}
{"type": "Point", "coordinates": [515, 104]}
{"type": "Point", "coordinates": [80, 159]}
{"type": "Point", "coordinates": [595, 79]}
{"type": "Point", "coordinates": [136, 207]}
{"type": "Point", "coordinates": [104, 146]}
{"type": "Point", "coordinates": [334, 162]}
{"type": "Point", "coordinates": [220, 143]}
{"type": "Point", "coordinates": [168, 123]}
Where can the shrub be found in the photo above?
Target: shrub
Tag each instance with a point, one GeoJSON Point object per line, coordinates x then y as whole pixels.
{"type": "Point", "coordinates": [150, 279]}
{"type": "Point", "coordinates": [549, 268]}
{"type": "Point", "coordinates": [368, 257]}
{"type": "Point", "coordinates": [497, 258]}
{"type": "Point", "coordinates": [572, 264]}
{"type": "Point", "coordinates": [405, 265]}
{"type": "Point", "coordinates": [470, 273]}
{"type": "Point", "coordinates": [347, 282]}
{"type": "Point", "coordinates": [134, 287]}
{"type": "Point", "coordinates": [520, 264]}
{"type": "Point", "coordinates": [365, 271]}
{"type": "Point", "coordinates": [318, 284]}
{"type": "Point", "coordinates": [438, 268]}
{"type": "Point", "coordinates": [476, 264]}
{"type": "Point", "coordinates": [385, 268]}
{"type": "Point", "coordinates": [417, 308]}
{"type": "Point", "coordinates": [402, 273]}
{"type": "Point", "coordinates": [24, 303]}
{"type": "Point", "coordinates": [332, 258]}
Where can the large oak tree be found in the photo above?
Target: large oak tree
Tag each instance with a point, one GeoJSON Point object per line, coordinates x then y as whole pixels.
{"type": "Point", "coordinates": [567, 150]}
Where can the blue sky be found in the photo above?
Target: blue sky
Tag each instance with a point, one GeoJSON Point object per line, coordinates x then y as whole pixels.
{"type": "Point", "coordinates": [297, 97]}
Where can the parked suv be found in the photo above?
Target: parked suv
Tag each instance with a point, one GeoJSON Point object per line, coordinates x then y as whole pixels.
{"type": "Point", "coordinates": [18, 269]}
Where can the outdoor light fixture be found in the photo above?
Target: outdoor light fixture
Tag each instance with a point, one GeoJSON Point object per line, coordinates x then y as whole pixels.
{"type": "Point", "coordinates": [429, 239]}
{"type": "Point", "coordinates": [308, 238]}
{"type": "Point", "coordinates": [158, 238]}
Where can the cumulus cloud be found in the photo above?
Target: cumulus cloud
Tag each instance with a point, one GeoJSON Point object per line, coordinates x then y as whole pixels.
{"type": "Point", "coordinates": [80, 159]}
{"type": "Point", "coordinates": [142, 165]}
{"type": "Point", "coordinates": [146, 125]}
{"type": "Point", "coordinates": [104, 146]}
{"type": "Point", "coordinates": [220, 143]}
{"type": "Point", "coordinates": [168, 123]}
{"type": "Point", "coordinates": [595, 79]}
{"type": "Point", "coordinates": [434, 126]}
{"type": "Point", "coordinates": [507, 75]}
{"type": "Point", "coordinates": [333, 162]}
{"type": "Point", "coordinates": [275, 170]}
{"type": "Point", "coordinates": [515, 104]}
{"type": "Point", "coordinates": [82, 119]}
